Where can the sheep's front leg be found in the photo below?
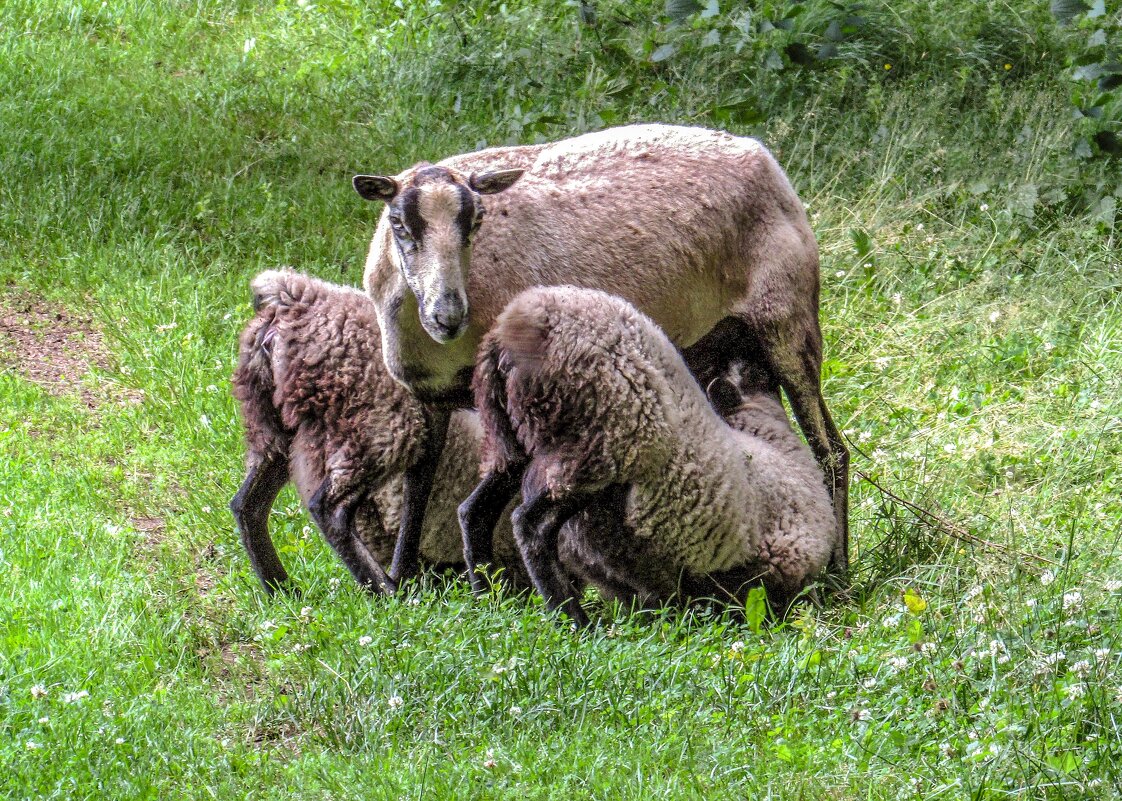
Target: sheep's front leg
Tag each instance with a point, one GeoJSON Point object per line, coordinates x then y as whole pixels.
{"type": "Point", "coordinates": [337, 522]}
{"type": "Point", "coordinates": [417, 489]}
{"type": "Point", "coordinates": [479, 514]}
{"type": "Point", "coordinates": [537, 524]}
{"type": "Point", "coordinates": [251, 507]}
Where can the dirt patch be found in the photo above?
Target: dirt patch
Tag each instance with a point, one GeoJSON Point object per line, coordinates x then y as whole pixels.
{"type": "Point", "coordinates": [54, 348]}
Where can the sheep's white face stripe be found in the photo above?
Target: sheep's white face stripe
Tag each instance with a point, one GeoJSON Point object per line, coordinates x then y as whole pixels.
{"type": "Point", "coordinates": [435, 217]}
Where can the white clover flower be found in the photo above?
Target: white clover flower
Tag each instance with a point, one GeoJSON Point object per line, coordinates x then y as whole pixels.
{"type": "Point", "coordinates": [840, 274]}
{"type": "Point", "coordinates": [1030, 603]}
{"type": "Point", "coordinates": [489, 760]}
{"type": "Point", "coordinates": [897, 299]}
{"type": "Point", "coordinates": [38, 691]}
{"type": "Point", "coordinates": [919, 226]}
{"type": "Point", "coordinates": [1118, 695]}
{"type": "Point", "coordinates": [516, 711]}
{"type": "Point", "coordinates": [949, 447]}
{"type": "Point", "coordinates": [898, 663]}
{"type": "Point", "coordinates": [250, 43]}
{"type": "Point", "coordinates": [334, 582]}
{"type": "Point", "coordinates": [395, 702]}
{"type": "Point", "coordinates": [830, 696]}
{"type": "Point", "coordinates": [974, 592]}
{"type": "Point", "coordinates": [1081, 668]}
{"type": "Point", "coordinates": [495, 635]}
{"type": "Point", "coordinates": [120, 741]}
{"type": "Point", "coordinates": [43, 721]}
{"type": "Point", "coordinates": [1047, 577]}
{"type": "Point", "coordinates": [869, 683]}
{"type": "Point", "coordinates": [414, 601]}
{"type": "Point", "coordinates": [995, 315]}
{"type": "Point", "coordinates": [1055, 658]}
{"type": "Point", "coordinates": [365, 640]}
{"type": "Point", "coordinates": [984, 207]}
{"type": "Point", "coordinates": [1072, 600]}
{"type": "Point", "coordinates": [73, 698]}
{"type": "Point", "coordinates": [31, 745]}
{"type": "Point", "coordinates": [1076, 690]}
{"type": "Point", "coordinates": [947, 750]}
{"type": "Point", "coordinates": [1101, 654]}
{"type": "Point", "coordinates": [737, 647]}
{"type": "Point", "coordinates": [267, 625]}
{"type": "Point", "coordinates": [300, 647]}
{"type": "Point", "coordinates": [928, 648]}
{"type": "Point", "coordinates": [306, 611]}
{"type": "Point", "coordinates": [861, 715]}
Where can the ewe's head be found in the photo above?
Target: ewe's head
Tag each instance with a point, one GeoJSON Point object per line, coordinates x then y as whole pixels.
{"type": "Point", "coordinates": [433, 214]}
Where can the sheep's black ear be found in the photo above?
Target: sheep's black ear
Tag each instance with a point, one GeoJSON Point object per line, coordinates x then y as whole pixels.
{"type": "Point", "coordinates": [376, 187]}
{"type": "Point", "coordinates": [489, 183]}
{"type": "Point", "coordinates": [723, 395]}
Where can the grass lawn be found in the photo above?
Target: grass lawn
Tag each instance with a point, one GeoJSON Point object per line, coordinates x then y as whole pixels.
{"type": "Point", "coordinates": [156, 154]}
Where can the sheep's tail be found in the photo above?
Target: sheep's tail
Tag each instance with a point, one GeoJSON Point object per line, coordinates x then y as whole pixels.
{"type": "Point", "coordinates": [281, 288]}
{"type": "Point", "coordinates": [253, 382]}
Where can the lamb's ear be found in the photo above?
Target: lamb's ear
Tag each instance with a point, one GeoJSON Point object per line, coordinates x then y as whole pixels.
{"type": "Point", "coordinates": [376, 187]}
{"type": "Point", "coordinates": [489, 183]}
{"type": "Point", "coordinates": [723, 395]}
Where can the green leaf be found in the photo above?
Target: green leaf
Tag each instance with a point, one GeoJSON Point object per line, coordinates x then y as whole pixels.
{"type": "Point", "coordinates": [680, 10]}
{"type": "Point", "coordinates": [773, 61]}
{"type": "Point", "coordinates": [755, 608]}
{"type": "Point", "coordinates": [1067, 10]}
{"type": "Point", "coordinates": [862, 242]}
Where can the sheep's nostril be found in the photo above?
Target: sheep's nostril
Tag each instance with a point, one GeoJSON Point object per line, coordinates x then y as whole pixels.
{"type": "Point", "coordinates": [449, 314]}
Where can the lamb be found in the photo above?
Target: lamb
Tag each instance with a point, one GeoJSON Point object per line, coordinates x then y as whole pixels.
{"type": "Point", "coordinates": [320, 409]}
{"type": "Point", "coordinates": [696, 228]}
{"type": "Point", "coordinates": [589, 408]}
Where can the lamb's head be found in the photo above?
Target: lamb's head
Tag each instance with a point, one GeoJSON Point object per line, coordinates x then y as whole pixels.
{"type": "Point", "coordinates": [433, 214]}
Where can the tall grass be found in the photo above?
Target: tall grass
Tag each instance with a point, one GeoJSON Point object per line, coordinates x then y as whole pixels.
{"type": "Point", "coordinates": [157, 154]}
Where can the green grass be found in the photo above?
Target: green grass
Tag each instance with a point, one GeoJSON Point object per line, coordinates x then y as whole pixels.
{"type": "Point", "coordinates": [157, 154]}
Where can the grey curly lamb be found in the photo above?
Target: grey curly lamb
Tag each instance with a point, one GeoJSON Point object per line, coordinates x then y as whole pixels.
{"type": "Point", "coordinates": [591, 411]}
{"type": "Point", "coordinates": [319, 408]}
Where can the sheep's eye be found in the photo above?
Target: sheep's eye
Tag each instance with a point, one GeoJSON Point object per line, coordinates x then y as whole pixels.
{"type": "Point", "coordinates": [399, 228]}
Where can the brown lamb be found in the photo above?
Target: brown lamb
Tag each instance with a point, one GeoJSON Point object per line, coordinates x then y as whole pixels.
{"type": "Point", "coordinates": [320, 409]}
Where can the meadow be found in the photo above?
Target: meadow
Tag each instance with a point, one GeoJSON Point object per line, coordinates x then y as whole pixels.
{"type": "Point", "coordinates": [156, 154]}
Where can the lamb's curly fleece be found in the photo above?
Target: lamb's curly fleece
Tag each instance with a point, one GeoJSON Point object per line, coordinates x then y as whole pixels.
{"type": "Point", "coordinates": [594, 394]}
{"type": "Point", "coordinates": [314, 390]}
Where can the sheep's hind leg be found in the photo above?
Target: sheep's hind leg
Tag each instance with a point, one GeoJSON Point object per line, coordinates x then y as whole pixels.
{"type": "Point", "coordinates": [251, 506]}
{"type": "Point", "coordinates": [417, 489]}
{"type": "Point", "coordinates": [337, 522]}
{"type": "Point", "coordinates": [537, 524]}
{"type": "Point", "coordinates": [479, 514]}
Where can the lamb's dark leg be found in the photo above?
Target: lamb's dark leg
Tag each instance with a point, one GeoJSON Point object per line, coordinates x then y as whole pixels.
{"type": "Point", "coordinates": [418, 487]}
{"type": "Point", "coordinates": [251, 506]}
{"type": "Point", "coordinates": [605, 551]}
{"type": "Point", "coordinates": [336, 521]}
{"type": "Point", "coordinates": [479, 514]}
{"type": "Point", "coordinates": [537, 523]}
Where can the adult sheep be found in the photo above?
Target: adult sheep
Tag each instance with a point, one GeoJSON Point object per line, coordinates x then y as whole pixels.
{"type": "Point", "coordinates": [698, 229]}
